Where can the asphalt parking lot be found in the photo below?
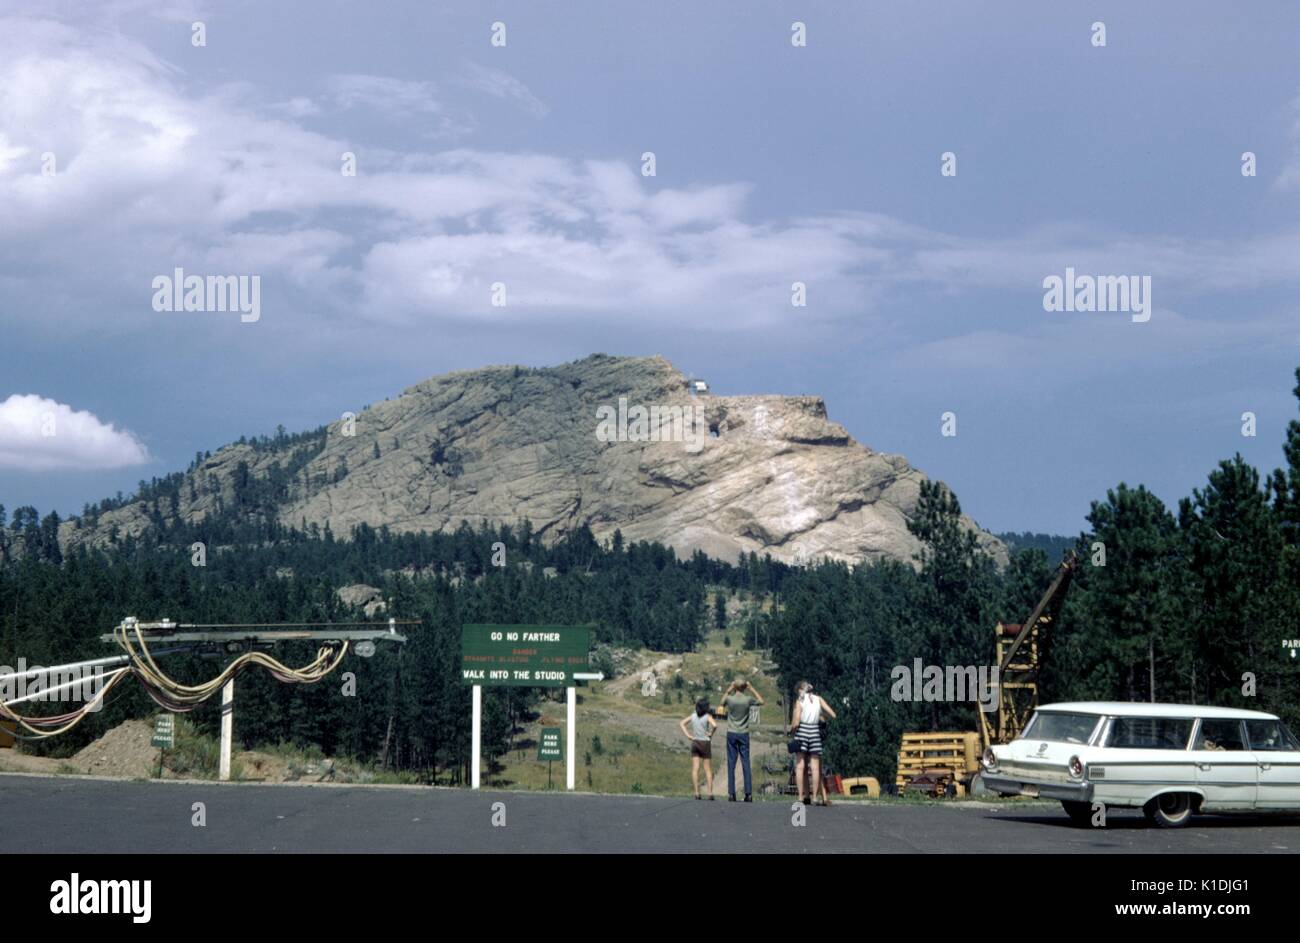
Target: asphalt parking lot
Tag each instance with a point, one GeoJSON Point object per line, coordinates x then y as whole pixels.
{"type": "Point", "coordinates": [64, 814]}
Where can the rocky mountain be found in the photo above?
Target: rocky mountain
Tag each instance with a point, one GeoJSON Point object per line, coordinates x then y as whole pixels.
{"type": "Point", "coordinates": [615, 443]}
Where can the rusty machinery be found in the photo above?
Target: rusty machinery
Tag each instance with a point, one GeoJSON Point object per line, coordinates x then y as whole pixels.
{"type": "Point", "coordinates": [1018, 652]}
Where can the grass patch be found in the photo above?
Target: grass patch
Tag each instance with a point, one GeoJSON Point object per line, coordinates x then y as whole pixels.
{"type": "Point", "coordinates": [197, 755]}
{"type": "Point", "coordinates": [612, 761]}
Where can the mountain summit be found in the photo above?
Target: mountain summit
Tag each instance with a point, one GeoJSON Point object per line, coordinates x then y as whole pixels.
{"type": "Point", "coordinates": [613, 443]}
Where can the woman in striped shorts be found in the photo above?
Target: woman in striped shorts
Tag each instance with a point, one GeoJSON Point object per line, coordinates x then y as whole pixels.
{"type": "Point", "coordinates": [805, 724]}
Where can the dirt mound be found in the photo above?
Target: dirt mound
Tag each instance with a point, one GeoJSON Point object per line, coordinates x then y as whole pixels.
{"type": "Point", "coordinates": [256, 766]}
{"type": "Point", "coordinates": [123, 751]}
{"type": "Point", "coordinates": [126, 752]}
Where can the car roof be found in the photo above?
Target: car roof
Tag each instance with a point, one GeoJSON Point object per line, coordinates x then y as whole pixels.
{"type": "Point", "coordinates": [1141, 709]}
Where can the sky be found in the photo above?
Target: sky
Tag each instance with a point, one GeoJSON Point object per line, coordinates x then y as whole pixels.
{"type": "Point", "coordinates": [128, 149]}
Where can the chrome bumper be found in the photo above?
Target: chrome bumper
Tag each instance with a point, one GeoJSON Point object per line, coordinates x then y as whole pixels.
{"type": "Point", "coordinates": [1007, 786]}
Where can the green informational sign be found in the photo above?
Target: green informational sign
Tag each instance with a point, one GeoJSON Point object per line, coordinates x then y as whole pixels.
{"type": "Point", "coordinates": [164, 731]}
{"type": "Point", "coordinates": [536, 656]}
{"type": "Point", "coordinates": [550, 747]}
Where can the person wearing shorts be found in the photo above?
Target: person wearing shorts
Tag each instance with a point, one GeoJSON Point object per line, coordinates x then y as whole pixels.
{"type": "Point", "coordinates": [805, 725]}
{"type": "Point", "coordinates": [698, 729]}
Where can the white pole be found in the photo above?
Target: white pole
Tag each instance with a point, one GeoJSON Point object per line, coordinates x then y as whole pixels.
{"type": "Point", "coordinates": [573, 715]}
{"type": "Point", "coordinates": [227, 726]}
{"type": "Point", "coordinates": [476, 738]}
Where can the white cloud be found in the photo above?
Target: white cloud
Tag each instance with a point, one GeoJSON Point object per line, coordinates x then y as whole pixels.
{"type": "Point", "coordinates": [39, 434]}
{"type": "Point", "coordinates": [504, 86]}
{"type": "Point", "coordinates": [153, 176]}
{"type": "Point", "coordinates": [114, 11]}
{"type": "Point", "coordinates": [298, 107]}
{"type": "Point", "coordinates": [397, 98]}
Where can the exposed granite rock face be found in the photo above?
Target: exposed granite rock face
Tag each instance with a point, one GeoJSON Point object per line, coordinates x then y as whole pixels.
{"type": "Point", "coordinates": [723, 474]}
{"type": "Point", "coordinates": [368, 598]}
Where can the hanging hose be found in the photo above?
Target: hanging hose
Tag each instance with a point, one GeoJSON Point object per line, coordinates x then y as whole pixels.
{"type": "Point", "coordinates": [52, 726]}
{"type": "Point", "coordinates": [180, 697]}
{"type": "Point", "coordinates": [167, 691]}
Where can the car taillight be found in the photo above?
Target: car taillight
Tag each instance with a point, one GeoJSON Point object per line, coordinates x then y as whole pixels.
{"type": "Point", "coordinates": [1076, 767]}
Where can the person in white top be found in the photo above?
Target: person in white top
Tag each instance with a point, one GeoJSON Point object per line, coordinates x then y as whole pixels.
{"type": "Point", "coordinates": [698, 728]}
{"type": "Point", "coordinates": [805, 724]}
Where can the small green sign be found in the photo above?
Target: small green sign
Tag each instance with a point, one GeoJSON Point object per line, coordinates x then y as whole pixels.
{"type": "Point", "coordinates": [550, 746]}
{"type": "Point", "coordinates": [523, 655]}
{"type": "Point", "coordinates": [164, 732]}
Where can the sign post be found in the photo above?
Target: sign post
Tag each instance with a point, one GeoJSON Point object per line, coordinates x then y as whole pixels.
{"type": "Point", "coordinates": [549, 749]}
{"type": "Point", "coordinates": [227, 727]}
{"type": "Point", "coordinates": [573, 720]}
{"type": "Point", "coordinates": [164, 737]}
{"type": "Point", "coordinates": [572, 736]}
{"type": "Point", "coordinates": [547, 656]}
{"type": "Point", "coordinates": [476, 734]}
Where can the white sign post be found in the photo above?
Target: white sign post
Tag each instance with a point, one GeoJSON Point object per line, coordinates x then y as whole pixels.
{"type": "Point", "coordinates": [476, 728]}
{"type": "Point", "coordinates": [476, 738]}
{"type": "Point", "coordinates": [573, 721]}
{"type": "Point", "coordinates": [572, 736]}
{"type": "Point", "coordinates": [227, 727]}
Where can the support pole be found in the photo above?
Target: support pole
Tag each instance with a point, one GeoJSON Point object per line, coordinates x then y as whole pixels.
{"type": "Point", "coordinates": [572, 736]}
{"type": "Point", "coordinates": [476, 736]}
{"type": "Point", "coordinates": [227, 726]}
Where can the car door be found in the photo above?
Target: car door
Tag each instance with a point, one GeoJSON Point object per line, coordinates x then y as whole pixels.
{"type": "Point", "coordinates": [1277, 757]}
{"type": "Point", "coordinates": [1144, 756]}
{"type": "Point", "coordinates": [1226, 769]}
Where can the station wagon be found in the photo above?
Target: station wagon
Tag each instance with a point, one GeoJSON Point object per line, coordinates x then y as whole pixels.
{"type": "Point", "coordinates": [1170, 760]}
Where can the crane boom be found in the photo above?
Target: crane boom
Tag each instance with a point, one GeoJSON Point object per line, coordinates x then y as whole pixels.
{"type": "Point", "coordinates": [1018, 660]}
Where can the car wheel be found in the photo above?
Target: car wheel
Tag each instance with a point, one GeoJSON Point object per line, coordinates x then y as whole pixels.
{"type": "Point", "coordinates": [1170, 810]}
{"type": "Point", "coordinates": [1080, 813]}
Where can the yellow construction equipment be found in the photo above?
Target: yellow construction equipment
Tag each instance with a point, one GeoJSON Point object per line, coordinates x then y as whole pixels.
{"type": "Point", "coordinates": [930, 762]}
{"type": "Point", "coordinates": [1018, 650]}
{"type": "Point", "coordinates": [859, 785]}
{"type": "Point", "coordinates": [927, 762]}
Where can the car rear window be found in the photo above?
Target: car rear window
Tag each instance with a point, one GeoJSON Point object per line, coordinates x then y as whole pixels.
{"type": "Point", "coordinates": [1149, 733]}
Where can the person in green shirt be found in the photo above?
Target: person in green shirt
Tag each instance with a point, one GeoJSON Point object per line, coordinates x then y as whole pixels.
{"type": "Point", "coordinates": [738, 699]}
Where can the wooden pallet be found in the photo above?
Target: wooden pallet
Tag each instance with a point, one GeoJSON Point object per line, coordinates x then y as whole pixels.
{"type": "Point", "coordinates": [949, 755]}
{"type": "Point", "coordinates": [936, 748]}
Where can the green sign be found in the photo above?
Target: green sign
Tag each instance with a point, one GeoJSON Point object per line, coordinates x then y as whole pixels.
{"type": "Point", "coordinates": [550, 747]}
{"type": "Point", "coordinates": [543, 656]}
{"type": "Point", "coordinates": [164, 731]}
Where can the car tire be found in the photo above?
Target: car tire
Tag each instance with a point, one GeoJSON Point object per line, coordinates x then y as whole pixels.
{"type": "Point", "coordinates": [1080, 813]}
{"type": "Point", "coordinates": [1170, 809]}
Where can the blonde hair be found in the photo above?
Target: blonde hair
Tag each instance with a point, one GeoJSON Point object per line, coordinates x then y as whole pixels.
{"type": "Point", "coordinates": [802, 688]}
